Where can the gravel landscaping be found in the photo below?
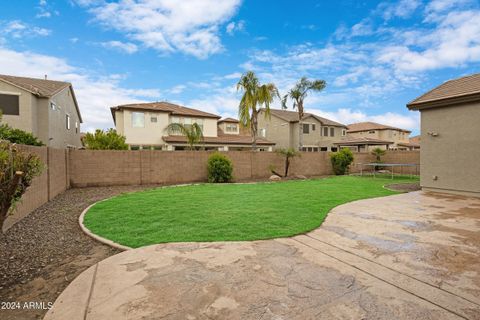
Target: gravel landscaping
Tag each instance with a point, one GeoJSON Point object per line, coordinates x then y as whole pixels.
{"type": "Point", "coordinates": [44, 252]}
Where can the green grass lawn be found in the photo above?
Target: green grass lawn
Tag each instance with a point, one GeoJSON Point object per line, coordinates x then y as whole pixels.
{"type": "Point", "coordinates": [217, 212]}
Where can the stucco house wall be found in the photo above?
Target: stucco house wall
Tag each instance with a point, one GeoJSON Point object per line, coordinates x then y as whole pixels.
{"type": "Point", "coordinates": [276, 130]}
{"type": "Point", "coordinates": [36, 116]}
{"type": "Point", "coordinates": [450, 149]}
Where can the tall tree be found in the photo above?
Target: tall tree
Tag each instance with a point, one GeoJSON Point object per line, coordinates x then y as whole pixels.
{"type": "Point", "coordinates": [193, 133]}
{"type": "Point", "coordinates": [298, 94]}
{"type": "Point", "coordinates": [254, 96]}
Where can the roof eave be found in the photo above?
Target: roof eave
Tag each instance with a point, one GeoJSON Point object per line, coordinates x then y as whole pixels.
{"type": "Point", "coordinates": [445, 102]}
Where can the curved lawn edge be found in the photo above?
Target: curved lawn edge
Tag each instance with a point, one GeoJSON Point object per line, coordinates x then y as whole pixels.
{"type": "Point", "coordinates": [95, 236]}
{"type": "Point", "coordinates": [122, 247]}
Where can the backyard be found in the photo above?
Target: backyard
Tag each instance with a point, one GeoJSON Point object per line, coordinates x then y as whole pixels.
{"type": "Point", "coordinates": [228, 212]}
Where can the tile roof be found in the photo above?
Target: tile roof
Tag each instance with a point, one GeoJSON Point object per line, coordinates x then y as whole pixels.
{"type": "Point", "coordinates": [415, 139]}
{"type": "Point", "coordinates": [229, 120]}
{"type": "Point", "coordinates": [453, 91]}
{"type": "Point", "coordinates": [165, 107]}
{"type": "Point", "coordinates": [221, 139]}
{"type": "Point", "coordinates": [292, 116]}
{"type": "Point", "coordinates": [361, 141]}
{"type": "Point", "coordinates": [365, 126]}
{"type": "Point", "coordinates": [39, 87]}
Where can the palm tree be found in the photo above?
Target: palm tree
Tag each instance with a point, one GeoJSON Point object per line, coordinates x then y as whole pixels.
{"type": "Point", "coordinates": [254, 95]}
{"type": "Point", "coordinates": [298, 94]}
{"type": "Point", "coordinates": [193, 133]}
{"type": "Point", "coordinates": [288, 154]}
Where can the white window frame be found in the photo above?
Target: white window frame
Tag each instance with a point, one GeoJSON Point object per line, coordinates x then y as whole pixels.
{"type": "Point", "coordinates": [67, 121]}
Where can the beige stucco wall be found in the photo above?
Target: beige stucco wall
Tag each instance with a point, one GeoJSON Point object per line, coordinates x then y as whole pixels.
{"type": "Point", "coordinates": [59, 135]}
{"type": "Point", "coordinates": [24, 120]}
{"type": "Point", "coordinates": [453, 155]}
{"type": "Point", "coordinates": [37, 117]}
{"type": "Point", "coordinates": [152, 132]}
{"type": "Point", "coordinates": [277, 130]}
{"type": "Point", "coordinates": [286, 134]}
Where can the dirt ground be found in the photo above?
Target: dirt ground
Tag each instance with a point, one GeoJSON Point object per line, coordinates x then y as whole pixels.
{"type": "Point", "coordinates": [44, 252]}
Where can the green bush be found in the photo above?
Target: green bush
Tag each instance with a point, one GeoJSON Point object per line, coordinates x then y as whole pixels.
{"type": "Point", "coordinates": [18, 136]}
{"type": "Point", "coordinates": [220, 168]}
{"type": "Point", "coordinates": [341, 160]}
{"type": "Point", "coordinates": [105, 140]}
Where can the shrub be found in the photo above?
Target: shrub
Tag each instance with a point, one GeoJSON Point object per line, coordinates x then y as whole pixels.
{"type": "Point", "coordinates": [105, 140]}
{"type": "Point", "coordinates": [18, 136]}
{"type": "Point", "coordinates": [17, 170]}
{"type": "Point", "coordinates": [220, 168]}
{"type": "Point", "coordinates": [341, 160]}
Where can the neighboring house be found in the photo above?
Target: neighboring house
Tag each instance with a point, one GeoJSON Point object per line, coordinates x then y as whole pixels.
{"type": "Point", "coordinates": [145, 127]}
{"type": "Point", "coordinates": [450, 131]}
{"type": "Point", "coordinates": [413, 143]}
{"type": "Point", "coordinates": [364, 144]}
{"type": "Point", "coordinates": [46, 108]}
{"type": "Point", "coordinates": [398, 138]}
{"type": "Point", "coordinates": [319, 134]}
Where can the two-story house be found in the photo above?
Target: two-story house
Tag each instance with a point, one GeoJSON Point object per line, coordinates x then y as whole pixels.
{"type": "Point", "coordinates": [282, 127]}
{"type": "Point", "coordinates": [145, 127]}
{"type": "Point", "coordinates": [46, 108]}
{"type": "Point", "coordinates": [369, 135]}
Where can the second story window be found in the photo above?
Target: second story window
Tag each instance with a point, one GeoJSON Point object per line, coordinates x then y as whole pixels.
{"type": "Point", "coordinates": [263, 132]}
{"type": "Point", "coordinates": [153, 119]}
{"type": "Point", "coordinates": [313, 127]}
{"type": "Point", "coordinates": [306, 128]}
{"type": "Point", "coordinates": [344, 132]}
{"type": "Point", "coordinates": [325, 131]}
{"type": "Point", "coordinates": [67, 122]}
{"type": "Point", "coordinates": [199, 122]}
{"type": "Point", "coordinates": [53, 106]}
{"type": "Point", "coordinates": [371, 131]}
{"type": "Point", "coordinates": [231, 127]}
{"type": "Point", "coordinates": [76, 127]}
{"type": "Point", "coordinates": [9, 104]}
{"type": "Point", "coordinates": [332, 132]}
{"type": "Point", "coordinates": [138, 120]}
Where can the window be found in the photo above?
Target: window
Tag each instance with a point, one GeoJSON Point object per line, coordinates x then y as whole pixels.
{"type": "Point", "coordinates": [332, 132]}
{"type": "Point", "coordinates": [315, 149]}
{"type": "Point", "coordinates": [323, 149]}
{"type": "Point", "coordinates": [76, 126]}
{"type": "Point", "coordinates": [371, 131]}
{"type": "Point", "coordinates": [138, 120]}
{"type": "Point", "coordinates": [175, 120]}
{"type": "Point", "coordinates": [153, 119]}
{"type": "Point", "coordinates": [67, 122]}
{"type": "Point", "coordinates": [134, 147]}
{"type": "Point", "coordinates": [9, 104]}
{"type": "Point", "coordinates": [53, 106]}
{"type": "Point", "coordinates": [325, 131]}
{"type": "Point", "coordinates": [306, 128]}
{"type": "Point", "coordinates": [187, 122]}
{"type": "Point", "coordinates": [199, 122]}
{"type": "Point", "coordinates": [263, 132]}
{"type": "Point", "coordinates": [231, 127]}
{"type": "Point", "coordinates": [313, 127]}
{"type": "Point", "coordinates": [344, 132]}
{"type": "Point", "coordinates": [334, 149]}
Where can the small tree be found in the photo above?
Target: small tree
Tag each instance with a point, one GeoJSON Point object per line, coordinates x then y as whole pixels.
{"type": "Point", "coordinates": [105, 140]}
{"type": "Point", "coordinates": [341, 160]}
{"type": "Point", "coordinates": [193, 133]}
{"type": "Point", "coordinates": [288, 154]}
{"type": "Point", "coordinates": [378, 153]}
{"type": "Point", "coordinates": [220, 168]}
{"type": "Point", "coordinates": [17, 170]}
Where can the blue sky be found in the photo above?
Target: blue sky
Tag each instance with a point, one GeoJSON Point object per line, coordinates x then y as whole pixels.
{"type": "Point", "coordinates": [375, 56]}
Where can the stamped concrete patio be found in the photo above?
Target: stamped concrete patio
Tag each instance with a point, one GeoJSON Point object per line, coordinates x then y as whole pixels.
{"type": "Point", "coordinates": [408, 256]}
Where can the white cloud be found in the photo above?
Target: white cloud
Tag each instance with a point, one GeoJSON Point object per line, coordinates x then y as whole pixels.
{"type": "Point", "coordinates": [18, 29]}
{"type": "Point", "coordinates": [455, 42]}
{"type": "Point", "coordinates": [177, 89]}
{"type": "Point", "coordinates": [233, 27]}
{"type": "Point", "coordinates": [125, 47]}
{"type": "Point", "coordinates": [401, 9]}
{"type": "Point", "coordinates": [191, 27]}
{"type": "Point", "coordinates": [235, 75]}
{"type": "Point", "coordinates": [95, 94]}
